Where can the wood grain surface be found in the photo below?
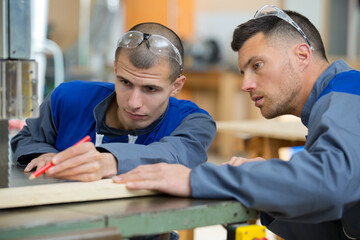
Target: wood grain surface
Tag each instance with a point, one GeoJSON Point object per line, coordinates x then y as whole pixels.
{"type": "Point", "coordinates": [65, 193]}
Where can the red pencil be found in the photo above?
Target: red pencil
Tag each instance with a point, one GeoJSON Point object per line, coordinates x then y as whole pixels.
{"type": "Point", "coordinates": [50, 164]}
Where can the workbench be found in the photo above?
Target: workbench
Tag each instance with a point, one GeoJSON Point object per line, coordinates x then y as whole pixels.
{"type": "Point", "coordinates": [265, 137]}
{"type": "Point", "coordinates": [126, 217]}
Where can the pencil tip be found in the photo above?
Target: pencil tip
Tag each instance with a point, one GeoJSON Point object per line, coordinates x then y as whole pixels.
{"type": "Point", "coordinates": [32, 176]}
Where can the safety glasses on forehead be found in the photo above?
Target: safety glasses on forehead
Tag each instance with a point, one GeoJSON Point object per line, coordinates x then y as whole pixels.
{"type": "Point", "coordinates": [270, 10]}
{"type": "Point", "coordinates": [155, 43]}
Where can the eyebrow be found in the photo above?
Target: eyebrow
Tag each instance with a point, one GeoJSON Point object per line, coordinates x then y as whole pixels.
{"type": "Point", "coordinates": [147, 85]}
{"type": "Point", "coordinates": [121, 78]}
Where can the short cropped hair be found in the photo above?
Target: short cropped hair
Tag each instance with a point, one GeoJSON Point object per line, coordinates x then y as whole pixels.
{"type": "Point", "coordinates": [142, 58]}
{"type": "Point", "coordinates": [274, 26]}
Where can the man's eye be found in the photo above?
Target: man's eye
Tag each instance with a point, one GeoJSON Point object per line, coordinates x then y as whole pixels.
{"type": "Point", "coordinates": [125, 82]}
{"type": "Point", "coordinates": [257, 65]}
{"type": "Point", "coordinates": [151, 89]}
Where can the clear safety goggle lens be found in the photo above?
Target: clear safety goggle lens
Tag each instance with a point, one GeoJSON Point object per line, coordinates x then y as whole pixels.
{"type": "Point", "coordinates": [156, 43]}
{"type": "Point", "coordinates": [270, 10]}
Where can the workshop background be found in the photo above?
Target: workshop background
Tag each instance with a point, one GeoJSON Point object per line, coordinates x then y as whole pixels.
{"type": "Point", "coordinates": [76, 40]}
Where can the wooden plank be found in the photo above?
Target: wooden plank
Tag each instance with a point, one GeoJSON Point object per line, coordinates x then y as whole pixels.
{"type": "Point", "coordinates": [65, 193]}
{"type": "Point", "coordinates": [287, 130]}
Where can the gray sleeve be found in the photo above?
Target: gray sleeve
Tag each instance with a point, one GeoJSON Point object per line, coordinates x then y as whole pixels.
{"type": "Point", "coordinates": [37, 137]}
{"type": "Point", "coordinates": [316, 185]}
{"type": "Point", "coordinates": [186, 145]}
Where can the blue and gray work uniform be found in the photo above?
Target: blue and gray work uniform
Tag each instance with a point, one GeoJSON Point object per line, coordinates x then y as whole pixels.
{"type": "Point", "coordinates": [315, 195]}
{"type": "Point", "coordinates": [181, 135]}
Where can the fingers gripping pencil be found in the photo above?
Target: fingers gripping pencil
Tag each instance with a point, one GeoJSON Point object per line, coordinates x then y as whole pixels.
{"type": "Point", "coordinates": [50, 164]}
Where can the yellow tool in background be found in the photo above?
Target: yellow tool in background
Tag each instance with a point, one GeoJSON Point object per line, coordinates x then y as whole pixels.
{"type": "Point", "coordinates": [246, 232]}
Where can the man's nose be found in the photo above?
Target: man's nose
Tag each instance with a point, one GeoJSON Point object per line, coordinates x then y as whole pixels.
{"type": "Point", "coordinates": [247, 84]}
{"type": "Point", "coordinates": [135, 99]}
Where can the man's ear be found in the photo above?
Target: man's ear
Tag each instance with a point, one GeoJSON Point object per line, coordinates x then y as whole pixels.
{"type": "Point", "coordinates": [303, 54]}
{"type": "Point", "coordinates": [178, 85]}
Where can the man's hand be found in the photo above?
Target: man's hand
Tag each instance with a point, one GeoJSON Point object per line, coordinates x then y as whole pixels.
{"type": "Point", "coordinates": [83, 162]}
{"type": "Point", "coordinates": [237, 161]}
{"type": "Point", "coordinates": [173, 179]}
{"type": "Point", "coordinates": [39, 161]}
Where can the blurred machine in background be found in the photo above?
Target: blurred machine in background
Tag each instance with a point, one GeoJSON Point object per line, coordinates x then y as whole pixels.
{"type": "Point", "coordinates": [202, 54]}
{"type": "Point", "coordinates": [18, 74]}
{"type": "Point", "coordinates": [87, 37]}
{"type": "Point", "coordinates": [42, 48]}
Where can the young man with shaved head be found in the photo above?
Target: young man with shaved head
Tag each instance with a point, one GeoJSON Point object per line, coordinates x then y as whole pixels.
{"type": "Point", "coordinates": [135, 121]}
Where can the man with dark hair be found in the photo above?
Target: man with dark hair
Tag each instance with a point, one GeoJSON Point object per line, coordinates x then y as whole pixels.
{"type": "Point", "coordinates": [316, 194]}
{"type": "Point", "coordinates": [135, 121]}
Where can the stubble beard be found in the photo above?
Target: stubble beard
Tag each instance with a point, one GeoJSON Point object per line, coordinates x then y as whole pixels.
{"type": "Point", "coordinates": [286, 100]}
